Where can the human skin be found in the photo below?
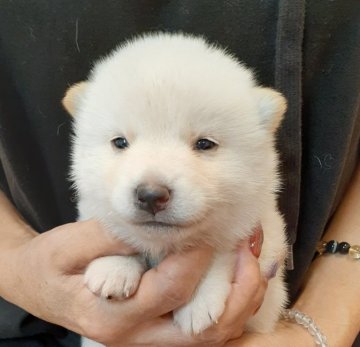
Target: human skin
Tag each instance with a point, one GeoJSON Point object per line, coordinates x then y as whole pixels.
{"type": "Point", "coordinates": [48, 269]}
{"type": "Point", "coordinates": [330, 294]}
{"type": "Point", "coordinates": [331, 290]}
{"type": "Point", "coordinates": [43, 274]}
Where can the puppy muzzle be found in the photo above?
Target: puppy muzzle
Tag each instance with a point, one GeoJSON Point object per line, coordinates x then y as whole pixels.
{"type": "Point", "coordinates": [152, 198]}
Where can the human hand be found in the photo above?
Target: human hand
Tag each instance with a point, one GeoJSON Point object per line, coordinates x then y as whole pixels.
{"type": "Point", "coordinates": [44, 276]}
{"type": "Point", "coordinates": [247, 293]}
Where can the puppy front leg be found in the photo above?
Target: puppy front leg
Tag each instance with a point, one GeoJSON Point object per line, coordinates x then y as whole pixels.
{"type": "Point", "coordinates": [208, 302]}
{"type": "Point", "coordinates": [115, 276]}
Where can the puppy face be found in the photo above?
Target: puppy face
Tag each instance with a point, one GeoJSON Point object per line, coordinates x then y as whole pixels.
{"type": "Point", "coordinates": [173, 142]}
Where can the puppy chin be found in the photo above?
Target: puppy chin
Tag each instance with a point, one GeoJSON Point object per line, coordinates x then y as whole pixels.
{"type": "Point", "coordinates": [165, 228]}
{"type": "Point", "coordinates": [157, 226]}
{"type": "Point", "coordinates": [154, 236]}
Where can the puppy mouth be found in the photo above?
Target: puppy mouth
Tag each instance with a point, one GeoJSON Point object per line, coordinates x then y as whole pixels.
{"type": "Point", "coordinates": [156, 224]}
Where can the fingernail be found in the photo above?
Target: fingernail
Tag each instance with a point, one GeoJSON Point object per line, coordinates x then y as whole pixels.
{"type": "Point", "coordinates": [256, 240]}
{"type": "Point", "coordinates": [273, 270]}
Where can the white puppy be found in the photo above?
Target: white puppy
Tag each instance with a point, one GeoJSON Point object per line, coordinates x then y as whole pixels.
{"type": "Point", "coordinates": [174, 146]}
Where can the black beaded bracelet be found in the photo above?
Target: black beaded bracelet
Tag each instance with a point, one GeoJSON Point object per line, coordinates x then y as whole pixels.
{"type": "Point", "coordinates": [333, 247]}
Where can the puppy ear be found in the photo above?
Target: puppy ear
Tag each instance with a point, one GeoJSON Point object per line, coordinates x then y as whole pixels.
{"type": "Point", "coordinates": [272, 107]}
{"type": "Point", "coordinates": [73, 96]}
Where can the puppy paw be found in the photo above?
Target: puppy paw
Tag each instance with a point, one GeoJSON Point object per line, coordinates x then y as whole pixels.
{"type": "Point", "coordinates": [203, 311]}
{"type": "Point", "coordinates": [114, 276]}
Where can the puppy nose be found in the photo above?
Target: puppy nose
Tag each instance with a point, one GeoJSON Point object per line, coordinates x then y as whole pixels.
{"type": "Point", "coordinates": [152, 198]}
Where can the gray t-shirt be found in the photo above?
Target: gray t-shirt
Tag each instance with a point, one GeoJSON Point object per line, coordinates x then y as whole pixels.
{"type": "Point", "coordinates": [310, 51]}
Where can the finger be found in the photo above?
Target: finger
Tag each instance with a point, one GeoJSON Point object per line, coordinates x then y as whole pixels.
{"type": "Point", "coordinates": [171, 284]}
{"type": "Point", "coordinates": [271, 273]}
{"type": "Point", "coordinates": [161, 290]}
{"type": "Point", "coordinates": [247, 293]}
{"type": "Point", "coordinates": [75, 245]}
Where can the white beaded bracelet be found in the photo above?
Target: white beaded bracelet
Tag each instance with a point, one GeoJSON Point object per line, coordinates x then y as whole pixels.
{"type": "Point", "coordinates": [306, 321]}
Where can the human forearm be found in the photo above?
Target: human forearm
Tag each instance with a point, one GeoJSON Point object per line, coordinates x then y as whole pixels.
{"type": "Point", "coordinates": [14, 233]}
{"type": "Point", "coordinates": [13, 229]}
{"type": "Point", "coordinates": [331, 294]}
{"type": "Point", "coordinates": [43, 274]}
{"type": "Point", "coordinates": [331, 290]}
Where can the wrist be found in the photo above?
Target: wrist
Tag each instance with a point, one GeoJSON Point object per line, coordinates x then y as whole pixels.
{"type": "Point", "coordinates": [12, 266]}
{"type": "Point", "coordinates": [290, 331]}
{"type": "Point", "coordinates": [300, 319]}
{"type": "Point", "coordinates": [14, 230]}
{"type": "Point", "coordinates": [17, 235]}
{"type": "Point", "coordinates": [333, 311]}
{"type": "Point", "coordinates": [285, 334]}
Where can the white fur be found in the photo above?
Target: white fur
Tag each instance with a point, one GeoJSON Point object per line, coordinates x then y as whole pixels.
{"type": "Point", "coordinates": [114, 276]}
{"type": "Point", "coordinates": [208, 302]}
{"type": "Point", "coordinates": [163, 92]}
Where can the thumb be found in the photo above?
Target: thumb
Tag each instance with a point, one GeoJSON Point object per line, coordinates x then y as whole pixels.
{"type": "Point", "coordinates": [77, 244]}
{"type": "Point", "coordinates": [247, 268]}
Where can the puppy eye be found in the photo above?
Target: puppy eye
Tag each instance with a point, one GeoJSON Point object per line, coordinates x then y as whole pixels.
{"type": "Point", "coordinates": [205, 144]}
{"type": "Point", "coordinates": [120, 142]}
